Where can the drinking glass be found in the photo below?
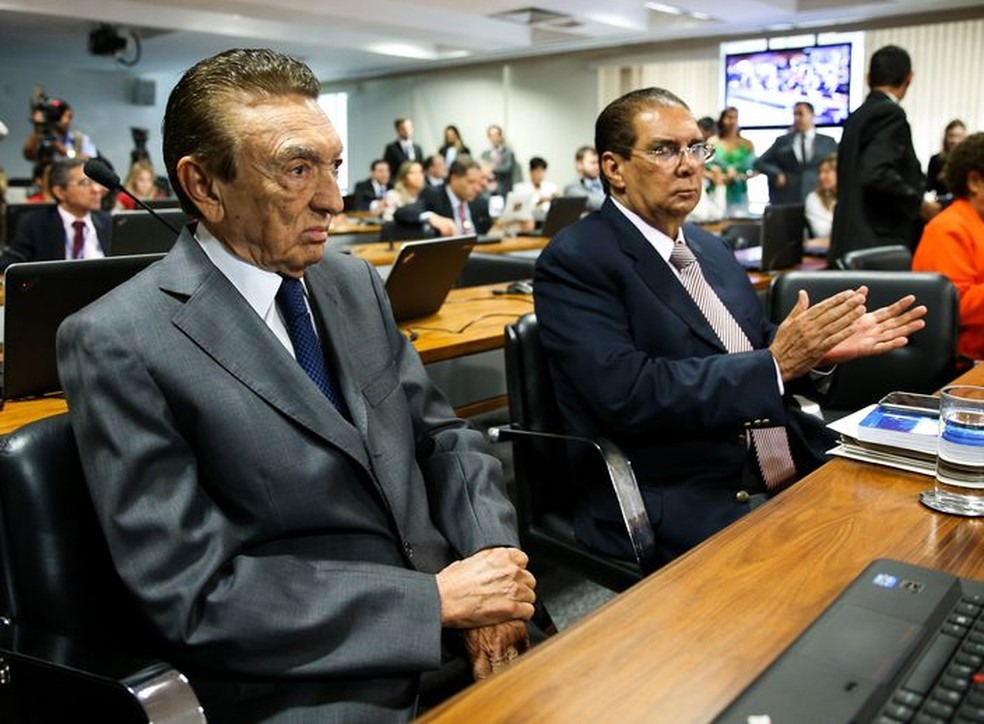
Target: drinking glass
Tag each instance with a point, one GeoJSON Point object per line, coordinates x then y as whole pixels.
{"type": "Point", "coordinates": [959, 486]}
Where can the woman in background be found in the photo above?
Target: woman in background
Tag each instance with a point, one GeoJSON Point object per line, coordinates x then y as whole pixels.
{"type": "Point", "coordinates": [734, 157]}
{"type": "Point", "coordinates": [819, 204]}
{"type": "Point", "coordinates": [409, 184]}
{"type": "Point", "coordinates": [953, 241]}
{"type": "Point", "coordinates": [953, 134]}
{"type": "Point", "coordinates": [453, 145]}
{"type": "Point", "coordinates": [140, 183]}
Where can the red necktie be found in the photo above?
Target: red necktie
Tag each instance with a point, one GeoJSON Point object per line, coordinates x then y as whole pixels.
{"type": "Point", "coordinates": [771, 443]}
{"type": "Point", "coordinates": [79, 239]}
{"type": "Point", "coordinates": [463, 217]}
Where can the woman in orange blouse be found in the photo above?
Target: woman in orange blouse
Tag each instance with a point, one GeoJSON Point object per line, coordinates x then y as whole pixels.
{"type": "Point", "coordinates": [953, 242]}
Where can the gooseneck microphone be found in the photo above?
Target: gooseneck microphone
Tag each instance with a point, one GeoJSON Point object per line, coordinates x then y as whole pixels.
{"type": "Point", "coordinates": [98, 171]}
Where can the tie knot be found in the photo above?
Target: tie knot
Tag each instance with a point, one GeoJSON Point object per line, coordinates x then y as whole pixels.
{"type": "Point", "coordinates": [681, 257]}
{"type": "Point", "coordinates": [78, 225]}
{"type": "Point", "coordinates": [290, 298]}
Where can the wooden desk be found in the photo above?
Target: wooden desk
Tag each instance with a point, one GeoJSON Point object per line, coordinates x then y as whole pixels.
{"type": "Point", "coordinates": [681, 644]}
{"type": "Point", "coordinates": [471, 321]}
{"type": "Point", "coordinates": [380, 253]}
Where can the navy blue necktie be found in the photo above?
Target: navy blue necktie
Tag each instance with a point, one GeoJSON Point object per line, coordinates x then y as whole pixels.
{"type": "Point", "coordinates": [307, 347]}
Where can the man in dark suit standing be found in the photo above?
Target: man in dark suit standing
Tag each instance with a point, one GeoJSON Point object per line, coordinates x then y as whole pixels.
{"type": "Point", "coordinates": [403, 148]}
{"type": "Point", "coordinates": [295, 507]}
{"type": "Point", "coordinates": [75, 228]}
{"type": "Point", "coordinates": [656, 340]}
{"type": "Point", "coordinates": [455, 208]}
{"type": "Point", "coordinates": [792, 162]}
{"type": "Point", "coordinates": [370, 193]}
{"type": "Point", "coordinates": [879, 179]}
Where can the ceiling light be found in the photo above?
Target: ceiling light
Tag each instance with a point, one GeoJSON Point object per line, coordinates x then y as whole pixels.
{"type": "Point", "coordinates": [661, 8]}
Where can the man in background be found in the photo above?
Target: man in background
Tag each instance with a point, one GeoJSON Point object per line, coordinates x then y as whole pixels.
{"type": "Point", "coordinates": [53, 137]}
{"type": "Point", "coordinates": [588, 182]}
{"type": "Point", "coordinates": [539, 188]}
{"type": "Point", "coordinates": [75, 228]}
{"type": "Point", "coordinates": [453, 209]}
{"type": "Point", "coordinates": [879, 179]}
{"type": "Point", "coordinates": [792, 162]}
{"type": "Point", "coordinates": [370, 193]}
{"type": "Point", "coordinates": [292, 503]}
{"type": "Point", "coordinates": [403, 148]}
{"type": "Point", "coordinates": [435, 171]}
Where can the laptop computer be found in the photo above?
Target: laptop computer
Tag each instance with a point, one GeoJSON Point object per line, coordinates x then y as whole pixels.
{"type": "Point", "coordinates": [138, 232]}
{"type": "Point", "coordinates": [38, 296]}
{"type": "Point", "coordinates": [781, 244]}
{"type": "Point", "coordinates": [517, 208]}
{"type": "Point", "coordinates": [887, 649]}
{"type": "Point", "coordinates": [563, 211]}
{"type": "Point", "coordinates": [423, 274]}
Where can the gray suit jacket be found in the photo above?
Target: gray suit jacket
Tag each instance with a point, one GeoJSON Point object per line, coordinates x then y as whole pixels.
{"type": "Point", "coordinates": [267, 537]}
{"type": "Point", "coordinates": [801, 178]}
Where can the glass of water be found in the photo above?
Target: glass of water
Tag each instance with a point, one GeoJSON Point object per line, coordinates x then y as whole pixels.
{"type": "Point", "coordinates": [960, 453]}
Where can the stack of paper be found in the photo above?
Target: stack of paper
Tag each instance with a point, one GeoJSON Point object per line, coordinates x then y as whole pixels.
{"type": "Point", "coordinates": [886, 440]}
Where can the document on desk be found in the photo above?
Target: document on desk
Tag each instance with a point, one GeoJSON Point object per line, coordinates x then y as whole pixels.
{"type": "Point", "coordinates": [852, 447]}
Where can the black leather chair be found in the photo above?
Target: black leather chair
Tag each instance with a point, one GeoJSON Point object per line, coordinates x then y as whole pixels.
{"type": "Point", "coordinates": [494, 268]}
{"type": "Point", "coordinates": [878, 258]}
{"type": "Point", "coordinates": [929, 360]}
{"type": "Point", "coordinates": [393, 231]}
{"type": "Point", "coordinates": [72, 644]}
{"type": "Point", "coordinates": [544, 476]}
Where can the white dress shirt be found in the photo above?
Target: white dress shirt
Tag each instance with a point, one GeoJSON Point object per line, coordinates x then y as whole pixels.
{"type": "Point", "coordinates": [90, 243]}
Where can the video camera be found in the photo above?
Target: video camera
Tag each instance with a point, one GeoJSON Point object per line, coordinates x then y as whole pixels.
{"type": "Point", "coordinates": [52, 109]}
{"type": "Point", "coordinates": [139, 152]}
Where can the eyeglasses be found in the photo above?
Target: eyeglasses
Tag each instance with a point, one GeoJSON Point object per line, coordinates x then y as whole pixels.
{"type": "Point", "coordinates": [669, 154]}
{"type": "Point", "coordinates": [83, 182]}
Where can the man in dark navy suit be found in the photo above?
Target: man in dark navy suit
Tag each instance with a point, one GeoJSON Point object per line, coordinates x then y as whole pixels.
{"type": "Point", "coordinates": [792, 163]}
{"type": "Point", "coordinates": [656, 340]}
{"type": "Point", "coordinates": [75, 228]}
{"type": "Point", "coordinates": [455, 208]}
{"type": "Point", "coordinates": [403, 149]}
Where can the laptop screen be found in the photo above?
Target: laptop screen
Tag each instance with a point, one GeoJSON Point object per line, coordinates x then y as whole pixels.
{"type": "Point", "coordinates": [423, 274]}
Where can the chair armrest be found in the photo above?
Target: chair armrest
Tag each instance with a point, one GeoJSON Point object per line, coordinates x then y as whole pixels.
{"type": "Point", "coordinates": [623, 482]}
{"type": "Point", "coordinates": [153, 687]}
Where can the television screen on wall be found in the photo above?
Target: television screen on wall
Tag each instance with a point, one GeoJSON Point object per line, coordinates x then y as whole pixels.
{"type": "Point", "coordinates": [765, 85]}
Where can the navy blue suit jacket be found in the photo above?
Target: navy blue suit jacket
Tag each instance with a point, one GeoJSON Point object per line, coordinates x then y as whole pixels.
{"type": "Point", "coordinates": [633, 359]}
{"type": "Point", "coordinates": [40, 236]}
{"type": "Point", "coordinates": [801, 178]}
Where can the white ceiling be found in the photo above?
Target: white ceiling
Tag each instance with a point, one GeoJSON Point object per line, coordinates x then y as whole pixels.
{"type": "Point", "coordinates": [357, 38]}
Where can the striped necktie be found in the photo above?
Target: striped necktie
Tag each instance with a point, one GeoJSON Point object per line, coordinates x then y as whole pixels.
{"type": "Point", "coordinates": [771, 444]}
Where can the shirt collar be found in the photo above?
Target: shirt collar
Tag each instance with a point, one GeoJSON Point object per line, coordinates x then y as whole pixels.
{"type": "Point", "coordinates": [660, 241]}
{"type": "Point", "coordinates": [68, 218]}
{"type": "Point", "coordinates": [258, 286]}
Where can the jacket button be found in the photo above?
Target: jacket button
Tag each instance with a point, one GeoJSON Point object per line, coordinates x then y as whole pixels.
{"type": "Point", "coordinates": [742, 496]}
{"type": "Point", "coordinates": [408, 548]}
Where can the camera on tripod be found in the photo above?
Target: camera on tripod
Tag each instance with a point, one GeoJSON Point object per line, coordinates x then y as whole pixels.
{"type": "Point", "coordinates": [52, 110]}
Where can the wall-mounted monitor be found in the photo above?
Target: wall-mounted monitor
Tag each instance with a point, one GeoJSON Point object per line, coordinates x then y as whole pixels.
{"type": "Point", "coordinates": [764, 85]}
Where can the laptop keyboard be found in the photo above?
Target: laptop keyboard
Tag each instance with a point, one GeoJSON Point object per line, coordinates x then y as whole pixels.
{"type": "Point", "coordinates": [947, 685]}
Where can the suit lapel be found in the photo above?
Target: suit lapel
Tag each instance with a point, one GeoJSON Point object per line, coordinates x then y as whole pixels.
{"type": "Point", "coordinates": [656, 273]}
{"type": "Point", "coordinates": [245, 347]}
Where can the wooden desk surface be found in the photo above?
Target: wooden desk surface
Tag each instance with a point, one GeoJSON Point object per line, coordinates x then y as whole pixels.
{"type": "Point", "coordinates": [471, 320]}
{"type": "Point", "coordinates": [681, 644]}
{"type": "Point", "coordinates": [380, 253]}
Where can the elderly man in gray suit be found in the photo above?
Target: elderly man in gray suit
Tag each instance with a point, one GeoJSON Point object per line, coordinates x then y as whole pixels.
{"type": "Point", "coordinates": [293, 504]}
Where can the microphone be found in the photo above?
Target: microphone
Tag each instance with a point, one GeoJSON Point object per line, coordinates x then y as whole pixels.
{"type": "Point", "coordinates": [101, 173]}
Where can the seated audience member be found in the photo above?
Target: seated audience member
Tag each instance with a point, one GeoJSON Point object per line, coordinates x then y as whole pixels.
{"type": "Point", "coordinates": [588, 182]}
{"type": "Point", "coordinates": [453, 147]}
{"type": "Point", "coordinates": [40, 191]}
{"type": "Point", "coordinates": [708, 127]}
{"type": "Point", "coordinates": [954, 133]}
{"type": "Point", "coordinates": [140, 183]}
{"type": "Point", "coordinates": [819, 206]}
{"type": "Point", "coordinates": [542, 191]}
{"type": "Point", "coordinates": [290, 500]}
{"type": "Point", "coordinates": [656, 340]}
{"type": "Point", "coordinates": [435, 171]}
{"type": "Point", "coordinates": [370, 193]}
{"type": "Point", "coordinates": [409, 184]}
{"type": "Point", "coordinates": [75, 228]}
{"type": "Point", "coordinates": [455, 208]}
{"type": "Point", "coordinates": [501, 161]}
{"type": "Point", "coordinates": [953, 241]}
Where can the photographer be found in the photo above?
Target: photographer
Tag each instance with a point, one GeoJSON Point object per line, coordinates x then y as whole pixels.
{"type": "Point", "coordinates": [53, 138]}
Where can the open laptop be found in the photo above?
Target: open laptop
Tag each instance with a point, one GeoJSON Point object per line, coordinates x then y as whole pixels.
{"type": "Point", "coordinates": [423, 274]}
{"type": "Point", "coordinates": [887, 649]}
{"type": "Point", "coordinates": [563, 212]}
{"type": "Point", "coordinates": [517, 208]}
{"type": "Point", "coordinates": [38, 296]}
{"type": "Point", "coordinates": [781, 244]}
{"type": "Point", "coordinates": [138, 232]}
